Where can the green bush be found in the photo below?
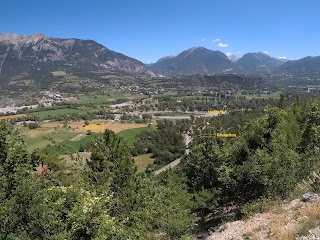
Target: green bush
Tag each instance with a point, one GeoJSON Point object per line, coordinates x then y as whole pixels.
{"type": "Point", "coordinates": [33, 125]}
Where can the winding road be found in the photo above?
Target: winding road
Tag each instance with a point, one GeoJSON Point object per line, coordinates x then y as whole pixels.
{"type": "Point", "coordinates": [176, 162]}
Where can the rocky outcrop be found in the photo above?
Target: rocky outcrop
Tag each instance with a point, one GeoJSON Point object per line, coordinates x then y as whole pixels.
{"type": "Point", "coordinates": [292, 220]}
{"type": "Point", "coordinates": [310, 197]}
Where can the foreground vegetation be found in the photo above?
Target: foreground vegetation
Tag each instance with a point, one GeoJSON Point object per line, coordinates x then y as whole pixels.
{"type": "Point", "coordinates": [103, 200]}
{"type": "Point", "coordinates": [104, 197]}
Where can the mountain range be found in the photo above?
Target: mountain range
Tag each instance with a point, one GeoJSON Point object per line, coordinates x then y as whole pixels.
{"type": "Point", "coordinates": [199, 60]}
{"type": "Point", "coordinates": [39, 55]}
{"type": "Point", "coordinates": [194, 61]}
{"type": "Point", "coordinates": [304, 65]}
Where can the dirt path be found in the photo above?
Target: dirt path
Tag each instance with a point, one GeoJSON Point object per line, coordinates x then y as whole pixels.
{"type": "Point", "coordinates": [78, 137]}
{"type": "Point", "coordinates": [168, 166]}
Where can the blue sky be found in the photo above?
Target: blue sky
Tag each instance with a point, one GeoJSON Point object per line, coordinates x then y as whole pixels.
{"type": "Point", "coordinates": [150, 29]}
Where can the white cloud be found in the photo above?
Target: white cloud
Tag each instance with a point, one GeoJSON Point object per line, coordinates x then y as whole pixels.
{"type": "Point", "coordinates": [266, 52]}
{"type": "Point", "coordinates": [204, 39]}
{"type": "Point", "coordinates": [217, 40]}
{"type": "Point", "coordinates": [282, 57]}
{"type": "Point", "coordinates": [223, 45]}
{"type": "Point", "coordinates": [239, 52]}
{"type": "Point", "coordinates": [228, 54]}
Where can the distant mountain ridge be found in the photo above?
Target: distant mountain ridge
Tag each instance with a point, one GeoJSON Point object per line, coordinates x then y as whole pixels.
{"type": "Point", "coordinates": [166, 58]}
{"type": "Point", "coordinates": [258, 63]}
{"type": "Point", "coordinates": [37, 56]}
{"type": "Point", "coordinates": [197, 60]}
{"type": "Point", "coordinates": [232, 57]}
{"type": "Point", "coordinates": [304, 65]}
{"type": "Point", "coordinates": [38, 53]}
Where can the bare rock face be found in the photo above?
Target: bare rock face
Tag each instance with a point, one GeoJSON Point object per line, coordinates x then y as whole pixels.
{"type": "Point", "coordinates": [16, 39]}
{"type": "Point", "coordinates": [28, 54]}
{"type": "Point", "coordinates": [310, 197]}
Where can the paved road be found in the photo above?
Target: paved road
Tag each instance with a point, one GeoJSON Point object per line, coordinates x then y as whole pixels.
{"type": "Point", "coordinates": [168, 166]}
{"type": "Point", "coordinates": [177, 161]}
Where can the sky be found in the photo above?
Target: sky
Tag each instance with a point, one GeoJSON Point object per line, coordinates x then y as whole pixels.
{"type": "Point", "coordinates": [150, 29]}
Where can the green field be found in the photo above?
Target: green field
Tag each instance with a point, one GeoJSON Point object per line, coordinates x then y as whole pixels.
{"type": "Point", "coordinates": [109, 97]}
{"type": "Point", "coordinates": [56, 112]}
{"type": "Point", "coordinates": [142, 161]}
{"type": "Point", "coordinates": [68, 146]}
{"type": "Point", "coordinates": [42, 140]}
{"type": "Point", "coordinates": [130, 134]}
{"type": "Point", "coordinates": [61, 139]}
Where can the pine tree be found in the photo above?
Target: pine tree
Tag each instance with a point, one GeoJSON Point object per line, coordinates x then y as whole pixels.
{"type": "Point", "coordinates": [282, 102]}
{"type": "Point", "coordinates": [111, 161]}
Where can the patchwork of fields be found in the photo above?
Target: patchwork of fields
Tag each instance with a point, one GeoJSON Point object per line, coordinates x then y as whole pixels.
{"type": "Point", "coordinates": [72, 136]}
{"type": "Point", "coordinates": [68, 138]}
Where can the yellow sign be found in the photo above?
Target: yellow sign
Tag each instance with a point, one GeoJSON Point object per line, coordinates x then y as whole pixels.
{"type": "Point", "coordinates": [217, 112]}
{"type": "Point", "coordinates": [94, 127]}
{"type": "Point", "coordinates": [226, 135]}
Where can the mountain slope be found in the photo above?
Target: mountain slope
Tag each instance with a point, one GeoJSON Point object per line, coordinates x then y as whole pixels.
{"type": "Point", "coordinates": [196, 60]}
{"type": "Point", "coordinates": [40, 54]}
{"type": "Point", "coordinates": [258, 63]}
{"type": "Point", "coordinates": [304, 65]}
{"type": "Point", "coordinates": [232, 57]}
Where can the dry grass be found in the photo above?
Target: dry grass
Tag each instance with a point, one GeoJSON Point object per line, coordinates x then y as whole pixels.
{"type": "Point", "coordinates": [12, 116]}
{"type": "Point", "coordinates": [83, 156]}
{"type": "Point", "coordinates": [297, 218]}
{"type": "Point", "coordinates": [281, 228]}
{"type": "Point", "coordinates": [78, 126]}
{"type": "Point", "coordinates": [33, 133]}
{"type": "Point", "coordinates": [255, 234]}
{"type": "Point", "coordinates": [309, 217]}
{"type": "Point", "coordinates": [143, 161]}
{"type": "Point", "coordinates": [311, 184]}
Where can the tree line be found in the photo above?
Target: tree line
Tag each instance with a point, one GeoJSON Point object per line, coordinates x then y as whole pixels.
{"type": "Point", "coordinates": [102, 199]}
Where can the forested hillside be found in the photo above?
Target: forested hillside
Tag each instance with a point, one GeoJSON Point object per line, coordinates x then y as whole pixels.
{"type": "Point", "coordinates": [102, 200]}
{"type": "Point", "coordinates": [43, 197]}
{"type": "Point", "coordinates": [270, 155]}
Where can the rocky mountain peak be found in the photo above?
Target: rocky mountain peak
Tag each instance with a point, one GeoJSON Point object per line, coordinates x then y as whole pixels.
{"type": "Point", "coordinates": [17, 39]}
{"type": "Point", "coordinates": [194, 49]}
{"type": "Point", "coordinates": [196, 60]}
{"type": "Point", "coordinates": [20, 54]}
{"type": "Point", "coordinates": [258, 63]}
{"type": "Point", "coordinates": [36, 37]}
